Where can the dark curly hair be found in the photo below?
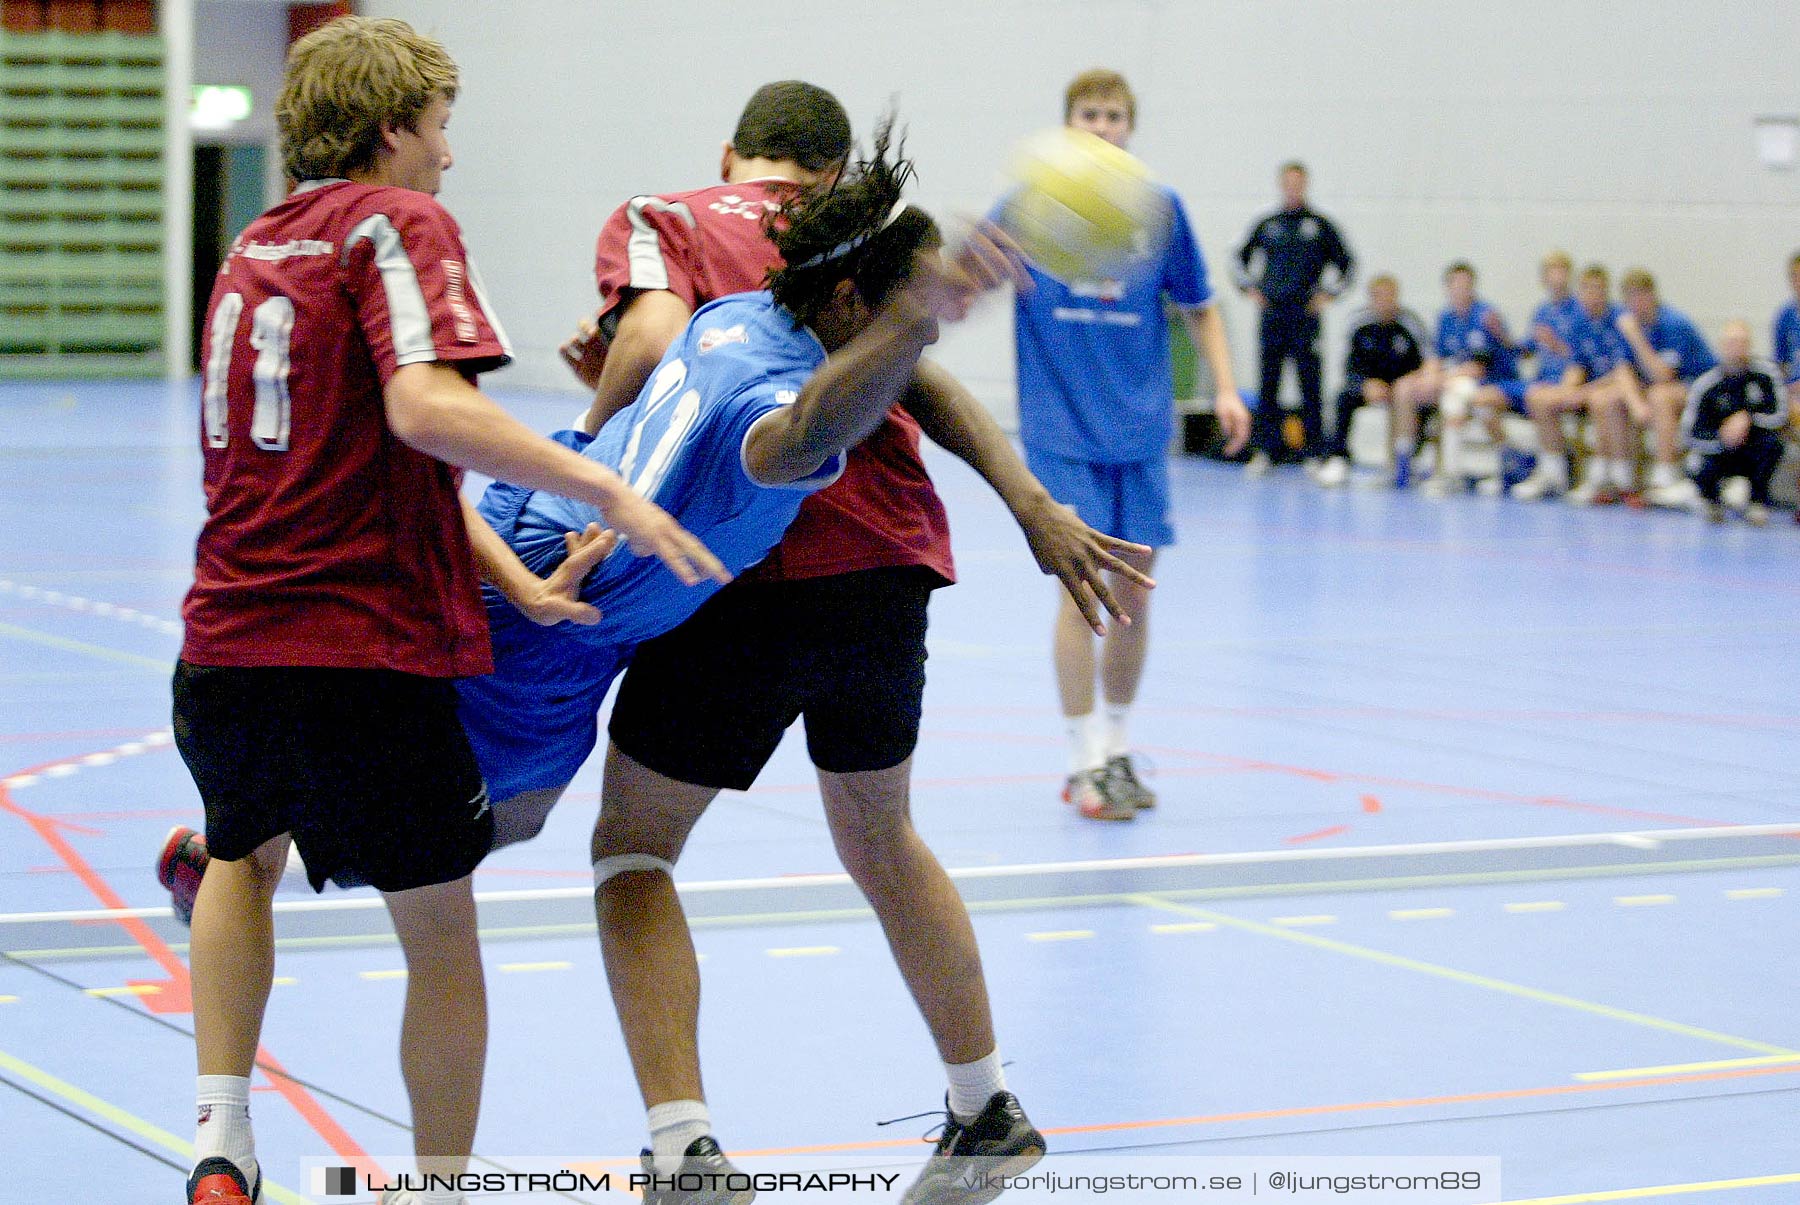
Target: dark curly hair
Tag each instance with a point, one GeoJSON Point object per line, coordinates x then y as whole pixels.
{"type": "Point", "coordinates": [856, 229]}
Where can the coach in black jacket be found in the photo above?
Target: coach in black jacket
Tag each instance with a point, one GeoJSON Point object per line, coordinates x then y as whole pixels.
{"type": "Point", "coordinates": [1296, 246]}
{"type": "Point", "coordinates": [1733, 423]}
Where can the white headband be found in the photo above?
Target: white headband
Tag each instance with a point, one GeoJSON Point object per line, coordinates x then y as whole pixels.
{"type": "Point", "coordinates": [848, 245]}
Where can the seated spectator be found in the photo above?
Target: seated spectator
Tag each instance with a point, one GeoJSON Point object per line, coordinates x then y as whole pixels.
{"type": "Point", "coordinates": [1733, 421]}
{"type": "Point", "coordinates": [1597, 377]}
{"type": "Point", "coordinates": [1670, 354]}
{"type": "Point", "coordinates": [1473, 372]}
{"type": "Point", "coordinates": [1386, 343]}
{"type": "Point", "coordinates": [1786, 340]}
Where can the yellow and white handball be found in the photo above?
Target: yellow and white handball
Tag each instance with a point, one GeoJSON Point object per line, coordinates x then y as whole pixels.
{"type": "Point", "coordinates": [1082, 208]}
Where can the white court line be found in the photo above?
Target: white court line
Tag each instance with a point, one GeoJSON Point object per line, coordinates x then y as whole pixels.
{"type": "Point", "coordinates": [1017, 870]}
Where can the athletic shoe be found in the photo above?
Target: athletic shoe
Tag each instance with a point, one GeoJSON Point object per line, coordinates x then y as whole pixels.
{"type": "Point", "coordinates": [1440, 487]}
{"type": "Point", "coordinates": [1091, 791]}
{"type": "Point", "coordinates": [217, 1181]}
{"type": "Point", "coordinates": [1539, 485]}
{"type": "Point", "coordinates": [706, 1177]}
{"type": "Point", "coordinates": [179, 868]}
{"type": "Point", "coordinates": [1333, 473]}
{"type": "Point", "coordinates": [1000, 1142]}
{"type": "Point", "coordinates": [1489, 487]}
{"type": "Point", "coordinates": [1258, 465]}
{"type": "Point", "coordinates": [1756, 515]}
{"type": "Point", "coordinates": [1677, 495]}
{"type": "Point", "coordinates": [1402, 470]}
{"type": "Point", "coordinates": [1592, 492]}
{"type": "Point", "coordinates": [1124, 784]}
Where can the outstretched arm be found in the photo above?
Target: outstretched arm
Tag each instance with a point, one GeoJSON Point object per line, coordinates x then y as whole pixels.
{"type": "Point", "coordinates": [431, 407]}
{"type": "Point", "coordinates": [846, 399]}
{"type": "Point", "coordinates": [543, 600]}
{"type": "Point", "coordinates": [648, 324]}
{"type": "Point", "coordinates": [1061, 543]}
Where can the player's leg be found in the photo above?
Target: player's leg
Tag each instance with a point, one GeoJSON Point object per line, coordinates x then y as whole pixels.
{"type": "Point", "coordinates": [1545, 405]}
{"type": "Point", "coordinates": [1761, 455]}
{"type": "Point", "coordinates": [1089, 489]}
{"type": "Point", "coordinates": [1414, 393]}
{"type": "Point", "coordinates": [1265, 424]}
{"type": "Point", "coordinates": [644, 822]}
{"type": "Point", "coordinates": [443, 1030]}
{"type": "Point", "coordinates": [1668, 485]}
{"type": "Point", "coordinates": [1708, 477]}
{"type": "Point", "coordinates": [1336, 469]}
{"type": "Point", "coordinates": [701, 709]}
{"type": "Point", "coordinates": [1141, 507]}
{"type": "Point", "coordinates": [1457, 404]}
{"type": "Point", "coordinates": [1312, 389]}
{"type": "Point", "coordinates": [1606, 404]}
{"type": "Point", "coordinates": [231, 730]}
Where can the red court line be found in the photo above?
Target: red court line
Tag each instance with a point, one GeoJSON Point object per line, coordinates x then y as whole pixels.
{"type": "Point", "coordinates": [74, 734]}
{"type": "Point", "coordinates": [1336, 830]}
{"type": "Point", "coordinates": [1349, 1107]}
{"type": "Point", "coordinates": [315, 1115]}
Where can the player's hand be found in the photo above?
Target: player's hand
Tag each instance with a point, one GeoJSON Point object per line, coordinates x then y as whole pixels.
{"type": "Point", "coordinates": [1081, 557]}
{"type": "Point", "coordinates": [1318, 303]}
{"type": "Point", "coordinates": [1496, 326]}
{"type": "Point", "coordinates": [1735, 430]}
{"type": "Point", "coordinates": [585, 352]}
{"type": "Point", "coordinates": [1627, 324]}
{"type": "Point", "coordinates": [1548, 340]}
{"type": "Point", "coordinates": [649, 530]}
{"type": "Point", "coordinates": [947, 284]}
{"type": "Point", "coordinates": [558, 598]}
{"type": "Point", "coordinates": [1234, 421]}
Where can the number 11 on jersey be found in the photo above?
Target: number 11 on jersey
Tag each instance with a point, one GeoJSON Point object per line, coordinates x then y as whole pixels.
{"type": "Point", "coordinates": [271, 329]}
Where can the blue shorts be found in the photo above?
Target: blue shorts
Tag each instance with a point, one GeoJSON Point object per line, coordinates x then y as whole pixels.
{"type": "Point", "coordinates": [534, 720]}
{"type": "Point", "coordinates": [1127, 501]}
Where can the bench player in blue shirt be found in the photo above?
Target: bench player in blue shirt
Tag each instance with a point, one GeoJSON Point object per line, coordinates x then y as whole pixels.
{"type": "Point", "coordinates": [1785, 335]}
{"type": "Point", "coordinates": [1474, 369]}
{"type": "Point", "coordinates": [1606, 384]}
{"type": "Point", "coordinates": [1670, 353]}
{"type": "Point", "coordinates": [1547, 397]}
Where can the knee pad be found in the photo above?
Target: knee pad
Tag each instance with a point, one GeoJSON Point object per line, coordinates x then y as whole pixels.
{"type": "Point", "coordinates": [617, 864]}
{"type": "Point", "coordinates": [1457, 398]}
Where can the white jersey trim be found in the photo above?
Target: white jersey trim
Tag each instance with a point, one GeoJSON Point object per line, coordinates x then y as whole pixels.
{"type": "Point", "coordinates": [643, 250]}
{"type": "Point", "coordinates": [409, 319]}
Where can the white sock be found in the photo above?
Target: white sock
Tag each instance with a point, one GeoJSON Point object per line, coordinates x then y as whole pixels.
{"type": "Point", "coordinates": [1405, 447]}
{"type": "Point", "coordinates": [674, 1125]}
{"type": "Point", "coordinates": [223, 1125]}
{"type": "Point", "coordinates": [437, 1197]}
{"type": "Point", "coordinates": [1450, 451]}
{"type": "Point", "coordinates": [1555, 465]}
{"type": "Point", "coordinates": [1620, 469]}
{"type": "Point", "coordinates": [1086, 742]}
{"type": "Point", "coordinates": [1662, 475]}
{"type": "Point", "coordinates": [1118, 718]}
{"type": "Point", "coordinates": [972, 1085]}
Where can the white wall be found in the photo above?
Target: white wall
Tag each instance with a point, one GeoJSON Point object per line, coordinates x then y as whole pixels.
{"type": "Point", "coordinates": [1436, 129]}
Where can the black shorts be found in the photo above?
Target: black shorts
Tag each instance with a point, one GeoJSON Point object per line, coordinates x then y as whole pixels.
{"type": "Point", "coordinates": [368, 769]}
{"type": "Point", "coordinates": [708, 702]}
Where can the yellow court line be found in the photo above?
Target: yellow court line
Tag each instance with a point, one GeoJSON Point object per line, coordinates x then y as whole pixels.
{"type": "Point", "coordinates": [1661, 1190]}
{"type": "Point", "coordinates": [1060, 935]}
{"type": "Point", "coordinates": [1537, 906]}
{"type": "Point", "coordinates": [81, 646]}
{"type": "Point", "coordinates": [1474, 980]}
{"type": "Point", "coordinates": [1317, 919]}
{"type": "Point", "coordinates": [1769, 1060]}
{"type": "Point", "coordinates": [1194, 926]}
{"type": "Point", "coordinates": [129, 1122]}
{"type": "Point", "coordinates": [1754, 893]}
{"type": "Point", "coordinates": [1420, 913]}
{"type": "Point", "coordinates": [801, 951]}
{"type": "Point", "coordinates": [132, 989]}
{"type": "Point", "coordinates": [1642, 901]}
{"type": "Point", "coordinates": [516, 968]}
{"type": "Point", "coordinates": [9, 999]}
{"type": "Point", "coordinates": [382, 974]}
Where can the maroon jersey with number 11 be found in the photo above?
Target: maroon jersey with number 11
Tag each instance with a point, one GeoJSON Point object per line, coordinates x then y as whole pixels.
{"type": "Point", "coordinates": [329, 542]}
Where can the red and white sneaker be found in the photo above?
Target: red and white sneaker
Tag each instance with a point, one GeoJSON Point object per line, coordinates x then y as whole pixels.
{"type": "Point", "coordinates": [217, 1181]}
{"type": "Point", "coordinates": [180, 867]}
{"type": "Point", "coordinates": [1091, 791]}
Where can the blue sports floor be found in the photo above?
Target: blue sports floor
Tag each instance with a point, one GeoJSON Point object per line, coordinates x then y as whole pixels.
{"type": "Point", "coordinates": [1477, 838]}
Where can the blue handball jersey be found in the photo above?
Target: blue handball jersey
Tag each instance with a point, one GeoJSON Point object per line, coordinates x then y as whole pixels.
{"type": "Point", "coordinates": [1462, 337]}
{"type": "Point", "coordinates": [680, 444]}
{"type": "Point", "coordinates": [1675, 338]}
{"type": "Point", "coordinates": [1094, 376]}
{"type": "Point", "coordinates": [1596, 345]}
{"type": "Point", "coordinates": [1560, 316]}
{"type": "Point", "coordinates": [1786, 340]}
